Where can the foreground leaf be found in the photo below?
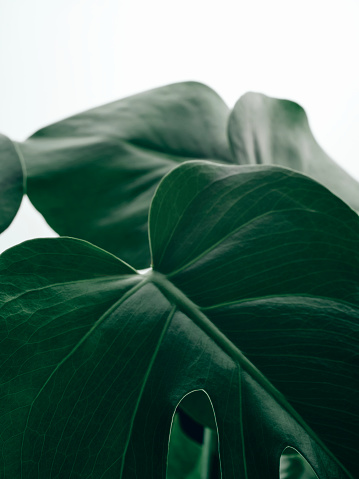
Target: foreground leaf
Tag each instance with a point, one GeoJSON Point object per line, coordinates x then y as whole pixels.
{"type": "Point", "coordinates": [254, 268]}
{"type": "Point", "coordinates": [271, 258]}
{"type": "Point", "coordinates": [265, 130]}
{"type": "Point", "coordinates": [103, 166]}
{"type": "Point", "coordinates": [11, 182]}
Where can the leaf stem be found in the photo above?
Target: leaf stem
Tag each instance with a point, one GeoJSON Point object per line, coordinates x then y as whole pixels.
{"type": "Point", "coordinates": [209, 468]}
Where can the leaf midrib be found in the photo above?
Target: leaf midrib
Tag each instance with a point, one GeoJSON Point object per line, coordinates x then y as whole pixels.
{"type": "Point", "coordinates": [181, 301]}
{"type": "Point", "coordinates": [176, 297]}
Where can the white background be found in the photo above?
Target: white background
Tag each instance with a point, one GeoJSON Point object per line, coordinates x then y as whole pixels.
{"type": "Point", "coordinates": [58, 57]}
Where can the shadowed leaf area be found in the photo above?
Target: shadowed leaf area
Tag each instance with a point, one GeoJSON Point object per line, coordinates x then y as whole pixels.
{"type": "Point", "coordinates": [294, 466]}
{"type": "Point", "coordinates": [103, 166]}
{"type": "Point", "coordinates": [253, 298]}
{"type": "Point", "coordinates": [11, 182]}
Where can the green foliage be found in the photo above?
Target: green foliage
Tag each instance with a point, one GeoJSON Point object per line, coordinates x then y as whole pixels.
{"type": "Point", "coordinates": [185, 456]}
{"type": "Point", "coordinates": [11, 182]}
{"type": "Point", "coordinates": [253, 296]}
{"type": "Point", "coordinates": [266, 130]}
{"type": "Point", "coordinates": [102, 166]}
{"type": "Point", "coordinates": [293, 466]}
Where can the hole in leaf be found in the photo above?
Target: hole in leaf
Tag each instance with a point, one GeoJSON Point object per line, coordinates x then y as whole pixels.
{"type": "Point", "coordinates": [193, 446]}
{"type": "Point", "coordinates": [294, 466]}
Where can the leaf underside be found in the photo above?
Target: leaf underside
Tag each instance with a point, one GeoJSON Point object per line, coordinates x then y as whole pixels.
{"type": "Point", "coordinates": [253, 298]}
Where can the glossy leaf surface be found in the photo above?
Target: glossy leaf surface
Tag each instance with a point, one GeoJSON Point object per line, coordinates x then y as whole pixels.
{"type": "Point", "coordinates": [265, 130]}
{"type": "Point", "coordinates": [11, 182]}
{"type": "Point", "coordinates": [103, 166]}
{"type": "Point", "coordinates": [253, 299]}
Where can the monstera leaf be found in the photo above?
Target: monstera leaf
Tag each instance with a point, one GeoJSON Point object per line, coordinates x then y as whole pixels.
{"type": "Point", "coordinates": [11, 182]}
{"type": "Point", "coordinates": [265, 130]}
{"type": "Point", "coordinates": [103, 166]}
{"type": "Point", "coordinates": [253, 299]}
{"type": "Point", "coordinates": [93, 175]}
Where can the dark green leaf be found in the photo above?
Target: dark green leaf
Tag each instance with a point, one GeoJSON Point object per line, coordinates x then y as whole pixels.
{"type": "Point", "coordinates": [264, 130]}
{"type": "Point", "coordinates": [11, 182]}
{"type": "Point", "coordinates": [271, 258]}
{"type": "Point", "coordinates": [103, 166]}
{"type": "Point", "coordinates": [254, 267]}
